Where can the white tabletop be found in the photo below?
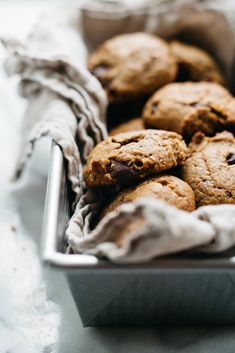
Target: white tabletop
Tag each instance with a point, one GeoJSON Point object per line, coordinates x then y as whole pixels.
{"type": "Point", "coordinates": [37, 313]}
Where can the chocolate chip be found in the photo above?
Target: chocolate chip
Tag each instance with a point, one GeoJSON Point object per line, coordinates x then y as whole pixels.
{"type": "Point", "coordinates": [123, 173]}
{"type": "Point", "coordinates": [138, 163]}
{"type": "Point", "coordinates": [99, 70]}
{"type": "Point", "coordinates": [164, 182]}
{"type": "Point", "coordinates": [154, 108]}
{"type": "Point", "coordinates": [229, 194]}
{"type": "Point", "coordinates": [230, 158]}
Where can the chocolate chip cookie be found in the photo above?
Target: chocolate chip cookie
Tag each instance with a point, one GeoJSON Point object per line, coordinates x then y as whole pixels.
{"type": "Point", "coordinates": [132, 156]}
{"type": "Point", "coordinates": [210, 169]}
{"type": "Point", "coordinates": [135, 124]}
{"type": "Point", "coordinates": [133, 65]}
{"type": "Point", "coordinates": [195, 64]}
{"type": "Point", "coordinates": [190, 107]}
{"type": "Point", "coordinates": [168, 188]}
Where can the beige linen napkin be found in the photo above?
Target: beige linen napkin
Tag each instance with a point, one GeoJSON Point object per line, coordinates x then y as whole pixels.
{"type": "Point", "coordinates": [52, 67]}
{"type": "Point", "coordinates": [141, 231]}
{"type": "Point", "coordinates": [68, 104]}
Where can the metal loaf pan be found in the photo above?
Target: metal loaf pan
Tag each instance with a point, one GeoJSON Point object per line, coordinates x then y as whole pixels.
{"type": "Point", "coordinates": [168, 291]}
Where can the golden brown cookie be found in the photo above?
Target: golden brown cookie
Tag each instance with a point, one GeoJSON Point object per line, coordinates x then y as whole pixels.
{"type": "Point", "coordinates": [168, 188]}
{"type": "Point", "coordinates": [195, 64]}
{"type": "Point", "coordinates": [132, 156]}
{"type": "Point", "coordinates": [135, 124]}
{"type": "Point", "coordinates": [133, 65]}
{"type": "Point", "coordinates": [190, 107]}
{"type": "Point", "coordinates": [210, 169]}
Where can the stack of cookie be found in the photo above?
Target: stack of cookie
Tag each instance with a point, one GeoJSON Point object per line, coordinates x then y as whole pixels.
{"type": "Point", "coordinates": [185, 102]}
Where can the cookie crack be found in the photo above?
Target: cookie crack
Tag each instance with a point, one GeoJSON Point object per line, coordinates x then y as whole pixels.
{"type": "Point", "coordinates": [219, 114]}
{"type": "Point", "coordinates": [172, 188]}
{"type": "Point", "coordinates": [135, 139]}
{"type": "Point", "coordinates": [212, 178]}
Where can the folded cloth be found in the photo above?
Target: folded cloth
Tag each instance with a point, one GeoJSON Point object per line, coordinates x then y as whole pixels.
{"type": "Point", "coordinates": [67, 103]}
{"type": "Point", "coordinates": [53, 62]}
{"type": "Point", "coordinates": [148, 228]}
{"type": "Point", "coordinates": [222, 219]}
{"type": "Point", "coordinates": [53, 118]}
{"type": "Point", "coordinates": [141, 231]}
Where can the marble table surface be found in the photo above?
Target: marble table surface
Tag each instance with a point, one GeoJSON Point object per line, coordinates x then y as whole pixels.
{"type": "Point", "coordinates": [37, 313]}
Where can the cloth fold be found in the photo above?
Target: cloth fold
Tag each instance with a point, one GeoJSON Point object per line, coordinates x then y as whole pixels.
{"type": "Point", "coordinates": [149, 228]}
{"type": "Point", "coordinates": [141, 231]}
{"type": "Point", "coordinates": [68, 104]}
{"type": "Point", "coordinates": [52, 62]}
{"type": "Point", "coordinates": [53, 118]}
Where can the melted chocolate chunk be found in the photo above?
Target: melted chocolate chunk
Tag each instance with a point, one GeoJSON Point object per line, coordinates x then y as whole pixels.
{"type": "Point", "coordinates": [230, 158]}
{"type": "Point", "coordinates": [122, 173]}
